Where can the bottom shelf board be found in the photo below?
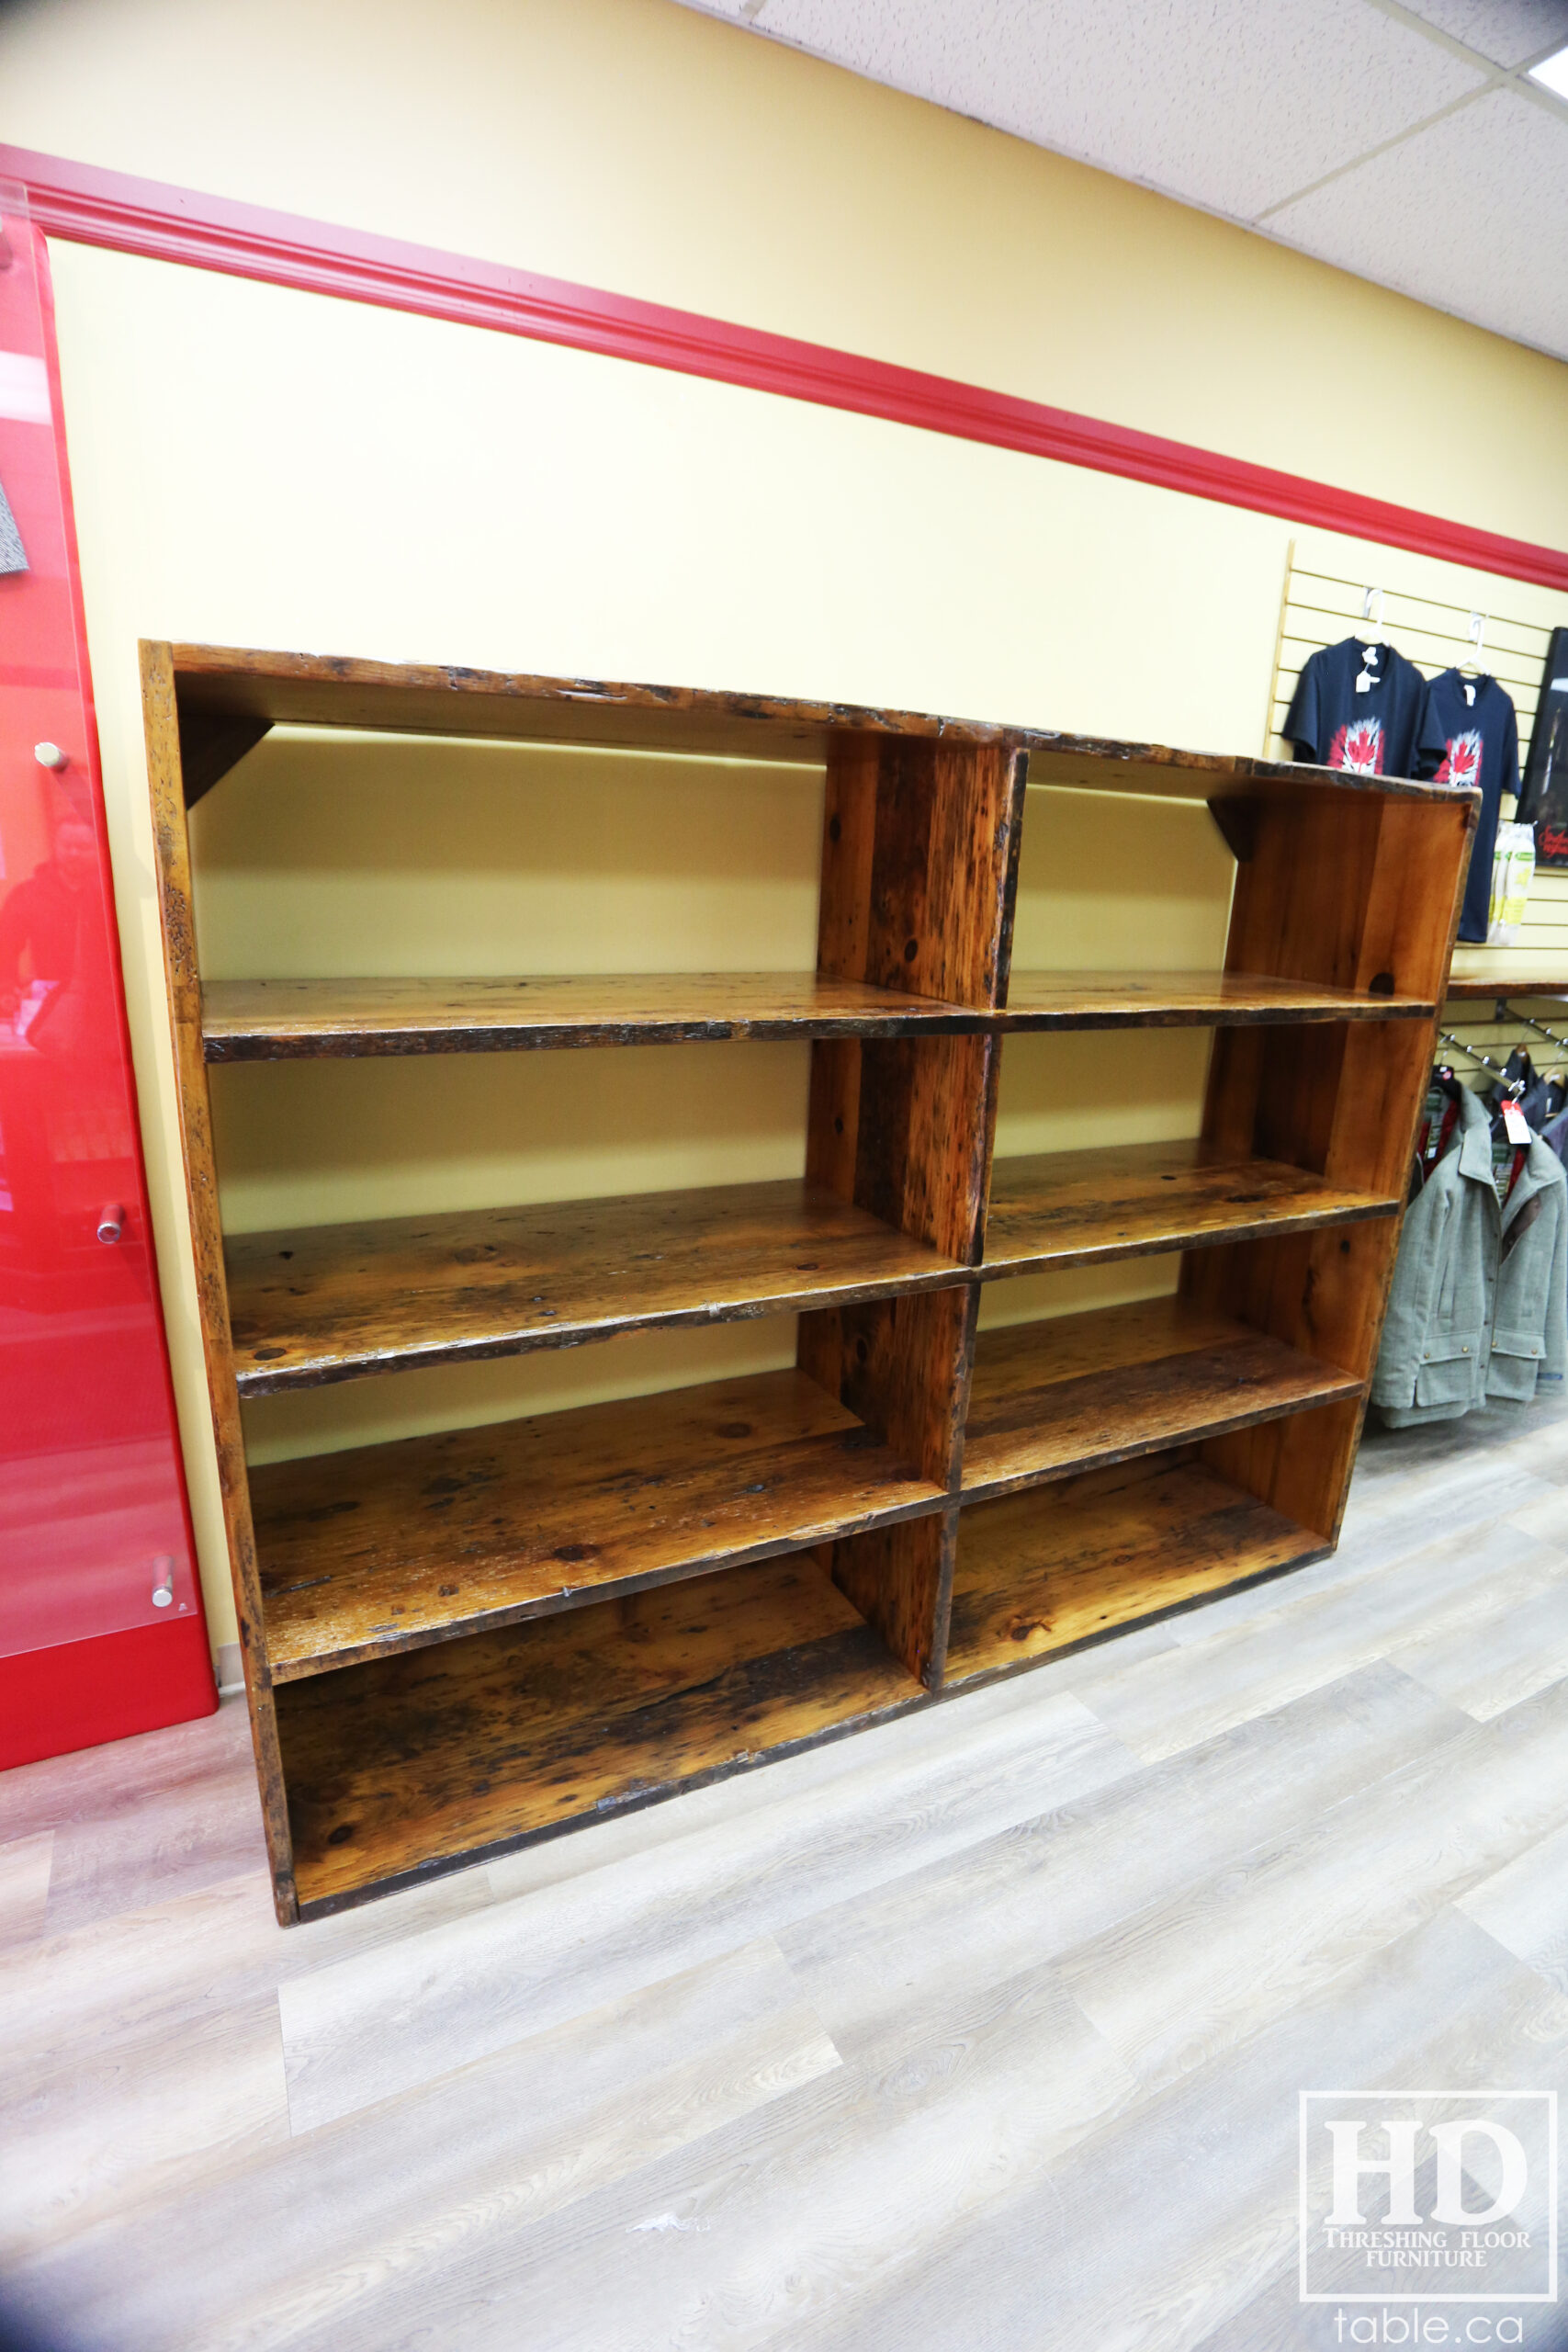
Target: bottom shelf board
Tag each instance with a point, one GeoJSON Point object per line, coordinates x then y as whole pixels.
{"type": "Point", "coordinates": [1055, 1566]}
{"type": "Point", "coordinates": [1077, 1391]}
{"type": "Point", "coordinates": [419, 1763]}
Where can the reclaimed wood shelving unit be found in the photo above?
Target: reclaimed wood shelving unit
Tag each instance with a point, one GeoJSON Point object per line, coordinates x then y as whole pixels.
{"type": "Point", "coordinates": [457, 1641]}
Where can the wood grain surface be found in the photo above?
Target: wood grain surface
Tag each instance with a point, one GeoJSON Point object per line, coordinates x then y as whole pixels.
{"type": "Point", "coordinates": [1053, 1567]}
{"type": "Point", "coordinates": [1080, 1391]}
{"type": "Point", "coordinates": [162, 724]}
{"type": "Point", "coordinates": [1189, 1000]}
{"type": "Point", "coordinates": [316, 690]}
{"type": "Point", "coordinates": [410, 1765]}
{"type": "Point", "coordinates": [282, 1020]}
{"type": "Point", "coordinates": [326, 1303]}
{"type": "Point", "coordinates": [387, 1547]}
{"type": "Point", "coordinates": [278, 1020]}
{"type": "Point", "coordinates": [1125, 1200]}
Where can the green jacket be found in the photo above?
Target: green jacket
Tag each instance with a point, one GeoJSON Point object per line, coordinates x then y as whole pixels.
{"type": "Point", "coordinates": [1479, 1303]}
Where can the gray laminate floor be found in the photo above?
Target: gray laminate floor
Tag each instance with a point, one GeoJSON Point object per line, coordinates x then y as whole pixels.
{"type": "Point", "coordinates": [984, 2030]}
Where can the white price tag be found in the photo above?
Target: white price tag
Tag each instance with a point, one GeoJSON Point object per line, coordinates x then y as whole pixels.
{"type": "Point", "coordinates": [1515, 1125]}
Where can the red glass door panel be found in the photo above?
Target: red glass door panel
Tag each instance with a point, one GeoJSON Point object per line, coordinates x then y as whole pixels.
{"type": "Point", "coordinates": [94, 1531]}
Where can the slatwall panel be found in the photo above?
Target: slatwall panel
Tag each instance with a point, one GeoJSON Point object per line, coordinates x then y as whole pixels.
{"type": "Point", "coordinates": [1322, 607]}
{"type": "Point", "coordinates": [1423, 614]}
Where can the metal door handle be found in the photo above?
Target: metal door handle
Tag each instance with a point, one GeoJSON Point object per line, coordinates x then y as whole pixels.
{"type": "Point", "coordinates": [111, 1222]}
{"type": "Point", "coordinates": [164, 1584]}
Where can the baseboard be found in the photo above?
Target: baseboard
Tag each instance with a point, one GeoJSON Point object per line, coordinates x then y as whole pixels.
{"type": "Point", "coordinates": [79, 1694]}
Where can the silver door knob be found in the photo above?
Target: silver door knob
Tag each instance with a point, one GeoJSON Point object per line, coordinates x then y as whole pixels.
{"type": "Point", "coordinates": [111, 1222]}
{"type": "Point", "coordinates": [162, 1580]}
{"type": "Point", "coordinates": [50, 755]}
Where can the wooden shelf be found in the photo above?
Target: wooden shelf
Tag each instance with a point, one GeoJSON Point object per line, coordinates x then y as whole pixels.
{"type": "Point", "coordinates": [249, 1020]}
{"type": "Point", "coordinates": [1054, 1567]}
{"type": "Point", "coordinates": [473, 1638]}
{"type": "Point", "coordinates": [419, 1763]}
{"type": "Point", "coordinates": [1509, 984]}
{"type": "Point", "coordinates": [1127, 1200]}
{"type": "Point", "coordinates": [227, 697]}
{"type": "Point", "coordinates": [391, 1547]}
{"type": "Point", "coordinates": [1189, 999]}
{"type": "Point", "coordinates": [330, 1302]}
{"type": "Point", "coordinates": [1052, 1398]}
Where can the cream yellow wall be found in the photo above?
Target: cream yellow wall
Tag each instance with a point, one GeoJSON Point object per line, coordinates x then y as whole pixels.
{"type": "Point", "coordinates": [638, 146]}
{"type": "Point", "coordinates": [257, 467]}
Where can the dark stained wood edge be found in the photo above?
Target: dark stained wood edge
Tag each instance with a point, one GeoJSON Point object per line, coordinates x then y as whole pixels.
{"type": "Point", "coordinates": [1501, 987]}
{"type": "Point", "coordinates": [1159, 1244]}
{"type": "Point", "coordinates": [1023, 1021]}
{"type": "Point", "coordinates": [1337, 1389]}
{"type": "Point", "coordinates": [260, 1045]}
{"type": "Point", "coordinates": [1313, 1549]}
{"type": "Point", "coordinates": [313, 689]}
{"type": "Point", "coordinates": [555, 1604]}
{"type": "Point", "coordinates": [171, 846]}
{"type": "Point", "coordinates": [272, 1381]}
{"type": "Point", "coordinates": [635, 1800]}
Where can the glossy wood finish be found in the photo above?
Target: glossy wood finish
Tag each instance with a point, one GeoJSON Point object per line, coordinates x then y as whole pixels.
{"type": "Point", "coordinates": [1189, 1000]}
{"type": "Point", "coordinates": [1368, 900]}
{"type": "Point", "coordinates": [162, 721]}
{"type": "Point", "coordinates": [1127, 1200]}
{"type": "Point", "coordinates": [321, 690]}
{"type": "Point", "coordinates": [1082, 1391]}
{"type": "Point", "coordinates": [323, 1303]}
{"type": "Point", "coordinates": [284, 1020]}
{"type": "Point", "coordinates": [408, 1767]}
{"type": "Point", "coordinates": [706, 1659]}
{"type": "Point", "coordinates": [1046, 1570]}
{"type": "Point", "coordinates": [919, 859]}
{"type": "Point", "coordinates": [389, 1548]}
{"type": "Point", "coordinates": [1521, 988]}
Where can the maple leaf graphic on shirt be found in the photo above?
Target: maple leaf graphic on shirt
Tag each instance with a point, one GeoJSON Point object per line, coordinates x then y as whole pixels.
{"type": "Point", "coordinates": [1358, 745]}
{"type": "Point", "coordinates": [1462, 765]}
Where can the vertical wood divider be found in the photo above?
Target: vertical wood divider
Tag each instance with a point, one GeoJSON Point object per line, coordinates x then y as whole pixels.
{"type": "Point", "coordinates": [1363, 898]}
{"type": "Point", "coordinates": [919, 872]}
{"type": "Point", "coordinates": [171, 846]}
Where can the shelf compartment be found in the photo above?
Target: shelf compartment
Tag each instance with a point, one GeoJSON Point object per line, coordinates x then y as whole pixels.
{"type": "Point", "coordinates": [1052, 1398]}
{"type": "Point", "coordinates": [244, 1021]}
{"type": "Point", "coordinates": [1054, 1568]}
{"type": "Point", "coordinates": [326, 1303]}
{"type": "Point", "coordinates": [1189, 999]}
{"type": "Point", "coordinates": [1065, 1208]}
{"type": "Point", "coordinates": [392, 1547]}
{"type": "Point", "coordinates": [418, 1764]}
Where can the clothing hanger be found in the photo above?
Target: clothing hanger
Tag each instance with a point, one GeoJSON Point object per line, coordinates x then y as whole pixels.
{"type": "Point", "coordinates": [1477, 632]}
{"type": "Point", "coordinates": [1375, 641]}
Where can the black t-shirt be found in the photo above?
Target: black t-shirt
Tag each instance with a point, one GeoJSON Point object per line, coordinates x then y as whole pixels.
{"type": "Point", "coordinates": [1481, 746]}
{"type": "Point", "coordinates": [1378, 731]}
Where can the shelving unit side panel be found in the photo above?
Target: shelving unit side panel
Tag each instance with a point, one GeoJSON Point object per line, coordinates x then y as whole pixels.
{"type": "Point", "coordinates": [182, 973]}
{"type": "Point", "coordinates": [920, 874]}
{"type": "Point", "coordinates": [1301, 1467]}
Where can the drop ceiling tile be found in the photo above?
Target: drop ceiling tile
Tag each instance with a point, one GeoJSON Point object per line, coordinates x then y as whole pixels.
{"type": "Point", "coordinates": [1506, 30]}
{"type": "Point", "coordinates": [1225, 103]}
{"type": "Point", "coordinates": [1470, 216]}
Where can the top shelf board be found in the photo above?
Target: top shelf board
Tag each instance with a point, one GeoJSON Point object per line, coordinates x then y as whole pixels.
{"type": "Point", "coordinates": [228, 698]}
{"type": "Point", "coordinates": [245, 1021]}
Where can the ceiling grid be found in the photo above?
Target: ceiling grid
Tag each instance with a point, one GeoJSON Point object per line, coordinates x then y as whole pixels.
{"type": "Point", "coordinates": [1407, 145]}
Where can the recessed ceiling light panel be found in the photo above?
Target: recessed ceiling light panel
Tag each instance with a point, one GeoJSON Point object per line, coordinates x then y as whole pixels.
{"type": "Point", "coordinates": [1552, 74]}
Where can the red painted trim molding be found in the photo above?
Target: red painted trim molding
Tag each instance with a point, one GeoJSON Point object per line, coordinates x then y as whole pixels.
{"type": "Point", "coordinates": [80, 202]}
{"type": "Point", "coordinates": [81, 1694]}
